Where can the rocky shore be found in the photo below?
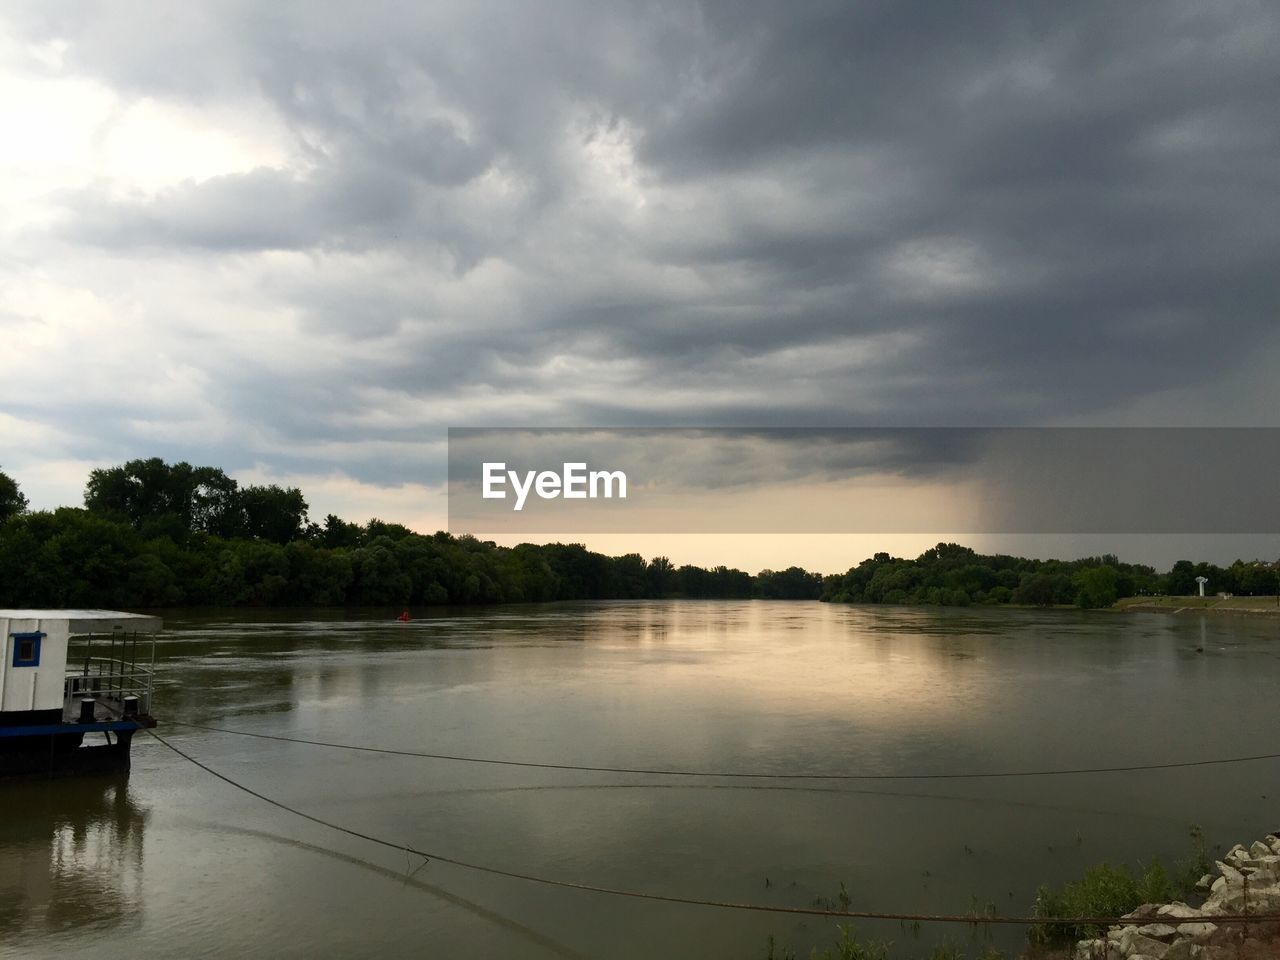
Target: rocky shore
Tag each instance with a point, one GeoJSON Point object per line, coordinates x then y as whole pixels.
{"type": "Point", "coordinates": [1245, 881]}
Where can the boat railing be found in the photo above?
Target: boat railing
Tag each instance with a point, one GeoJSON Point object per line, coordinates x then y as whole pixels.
{"type": "Point", "coordinates": [108, 681]}
{"type": "Point", "coordinates": [108, 668]}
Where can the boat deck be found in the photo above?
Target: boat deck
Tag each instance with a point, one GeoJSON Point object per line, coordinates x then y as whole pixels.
{"type": "Point", "coordinates": [105, 710]}
{"type": "Point", "coordinates": [119, 692]}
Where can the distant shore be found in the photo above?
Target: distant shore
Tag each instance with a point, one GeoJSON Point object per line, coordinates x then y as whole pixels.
{"type": "Point", "coordinates": [1254, 606]}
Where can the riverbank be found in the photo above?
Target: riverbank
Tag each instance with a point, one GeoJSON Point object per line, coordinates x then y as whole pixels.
{"type": "Point", "coordinates": [1235, 606]}
{"type": "Point", "coordinates": [1246, 881]}
{"type": "Point", "coordinates": [1166, 915]}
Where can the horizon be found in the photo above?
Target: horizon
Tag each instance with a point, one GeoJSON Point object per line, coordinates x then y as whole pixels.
{"type": "Point", "coordinates": [818, 552]}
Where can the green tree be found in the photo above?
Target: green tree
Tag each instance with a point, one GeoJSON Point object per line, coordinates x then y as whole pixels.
{"type": "Point", "coordinates": [337, 533]}
{"type": "Point", "coordinates": [793, 583]}
{"type": "Point", "coordinates": [629, 580]}
{"type": "Point", "coordinates": [1096, 586]}
{"type": "Point", "coordinates": [273, 513]}
{"type": "Point", "coordinates": [211, 502]}
{"type": "Point", "coordinates": [662, 577]}
{"type": "Point", "coordinates": [1181, 580]}
{"type": "Point", "coordinates": [378, 578]}
{"type": "Point", "coordinates": [151, 583]}
{"type": "Point", "coordinates": [159, 497]}
{"type": "Point", "coordinates": [1253, 579]}
{"type": "Point", "coordinates": [136, 491]}
{"type": "Point", "coordinates": [1037, 590]}
{"type": "Point", "coordinates": [12, 501]}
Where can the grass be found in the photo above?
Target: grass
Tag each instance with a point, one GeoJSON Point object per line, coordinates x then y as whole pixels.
{"type": "Point", "coordinates": [1107, 891]}
{"type": "Point", "coordinates": [849, 947]}
{"type": "Point", "coordinates": [1102, 891]}
{"type": "Point", "coordinates": [1221, 604]}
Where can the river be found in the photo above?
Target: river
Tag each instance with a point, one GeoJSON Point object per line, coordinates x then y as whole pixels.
{"type": "Point", "coordinates": [173, 862]}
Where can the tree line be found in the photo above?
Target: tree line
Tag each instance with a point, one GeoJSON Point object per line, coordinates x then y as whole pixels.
{"type": "Point", "coordinates": [153, 534]}
{"type": "Point", "coordinates": [953, 575]}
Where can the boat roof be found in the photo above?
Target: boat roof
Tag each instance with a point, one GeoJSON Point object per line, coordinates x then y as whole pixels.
{"type": "Point", "coordinates": [89, 621]}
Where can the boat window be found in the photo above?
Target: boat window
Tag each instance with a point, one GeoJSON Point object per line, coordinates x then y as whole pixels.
{"type": "Point", "coordinates": [26, 649]}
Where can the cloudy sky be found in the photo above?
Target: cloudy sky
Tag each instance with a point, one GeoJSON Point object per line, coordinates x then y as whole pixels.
{"type": "Point", "coordinates": [300, 241]}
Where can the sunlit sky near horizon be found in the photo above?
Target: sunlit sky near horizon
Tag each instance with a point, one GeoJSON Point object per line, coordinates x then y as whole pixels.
{"type": "Point", "coordinates": [299, 241]}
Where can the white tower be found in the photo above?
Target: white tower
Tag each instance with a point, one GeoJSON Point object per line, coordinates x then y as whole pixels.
{"type": "Point", "coordinates": [1202, 581]}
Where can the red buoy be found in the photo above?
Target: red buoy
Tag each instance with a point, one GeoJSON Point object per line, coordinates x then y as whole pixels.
{"type": "Point", "coordinates": [404, 617]}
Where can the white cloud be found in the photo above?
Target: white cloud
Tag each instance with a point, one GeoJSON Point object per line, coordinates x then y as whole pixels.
{"type": "Point", "coordinates": [421, 507]}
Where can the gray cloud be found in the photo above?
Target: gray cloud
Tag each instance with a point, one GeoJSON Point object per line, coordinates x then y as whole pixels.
{"type": "Point", "coordinates": [1154, 481]}
{"type": "Point", "coordinates": [808, 214]}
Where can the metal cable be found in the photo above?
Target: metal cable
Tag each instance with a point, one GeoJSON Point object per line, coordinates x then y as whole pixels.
{"type": "Point", "coordinates": [743, 775]}
{"type": "Point", "coordinates": [691, 901]}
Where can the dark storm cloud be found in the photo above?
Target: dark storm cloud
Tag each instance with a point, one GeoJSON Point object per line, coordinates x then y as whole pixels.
{"type": "Point", "coordinates": [853, 212]}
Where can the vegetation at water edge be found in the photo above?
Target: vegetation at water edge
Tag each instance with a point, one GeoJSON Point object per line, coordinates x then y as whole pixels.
{"type": "Point", "coordinates": [153, 534]}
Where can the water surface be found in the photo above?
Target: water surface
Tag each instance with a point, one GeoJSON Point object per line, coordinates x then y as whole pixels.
{"type": "Point", "coordinates": [172, 862]}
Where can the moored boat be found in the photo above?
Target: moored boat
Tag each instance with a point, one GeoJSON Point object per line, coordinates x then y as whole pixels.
{"type": "Point", "coordinates": [68, 677]}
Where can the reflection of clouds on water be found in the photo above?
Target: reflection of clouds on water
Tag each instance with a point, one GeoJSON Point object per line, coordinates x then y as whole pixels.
{"type": "Point", "coordinates": [71, 855]}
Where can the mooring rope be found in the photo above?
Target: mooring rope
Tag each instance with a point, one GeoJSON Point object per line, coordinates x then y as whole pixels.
{"type": "Point", "coordinates": [730, 774]}
{"type": "Point", "coordinates": [688, 901]}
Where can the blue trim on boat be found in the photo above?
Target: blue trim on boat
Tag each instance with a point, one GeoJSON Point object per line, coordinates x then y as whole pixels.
{"type": "Point", "coordinates": [33, 659]}
{"type": "Point", "coordinates": [48, 728]}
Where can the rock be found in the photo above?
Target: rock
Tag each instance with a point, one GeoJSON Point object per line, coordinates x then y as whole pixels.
{"type": "Point", "coordinates": [1238, 852]}
{"type": "Point", "coordinates": [1229, 873]}
{"type": "Point", "coordinates": [1143, 912]}
{"type": "Point", "coordinates": [1091, 950]}
{"type": "Point", "coordinates": [1184, 950]}
{"type": "Point", "coordinates": [1253, 948]}
{"type": "Point", "coordinates": [1124, 940]}
{"type": "Point", "coordinates": [1264, 898]}
{"type": "Point", "coordinates": [1160, 931]}
{"type": "Point", "coordinates": [1218, 884]}
{"type": "Point", "coordinates": [1257, 863]}
{"type": "Point", "coordinates": [1213, 907]}
{"type": "Point", "coordinates": [1262, 871]}
{"type": "Point", "coordinates": [1204, 883]}
{"type": "Point", "coordinates": [1258, 850]}
{"type": "Point", "coordinates": [1196, 930]}
{"type": "Point", "coordinates": [1273, 842]}
{"type": "Point", "coordinates": [1146, 947]}
{"type": "Point", "coordinates": [1178, 910]}
{"type": "Point", "coordinates": [1226, 900]}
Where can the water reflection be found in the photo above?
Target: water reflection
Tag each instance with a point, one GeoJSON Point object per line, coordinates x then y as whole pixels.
{"type": "Point", "coordinates": [71, 855]}
{"type": "Point", "coordinates": [695, 685]}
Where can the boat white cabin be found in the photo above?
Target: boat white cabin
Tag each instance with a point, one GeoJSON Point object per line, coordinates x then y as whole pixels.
{"type": "Point", "coordinates": [68, 673]}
